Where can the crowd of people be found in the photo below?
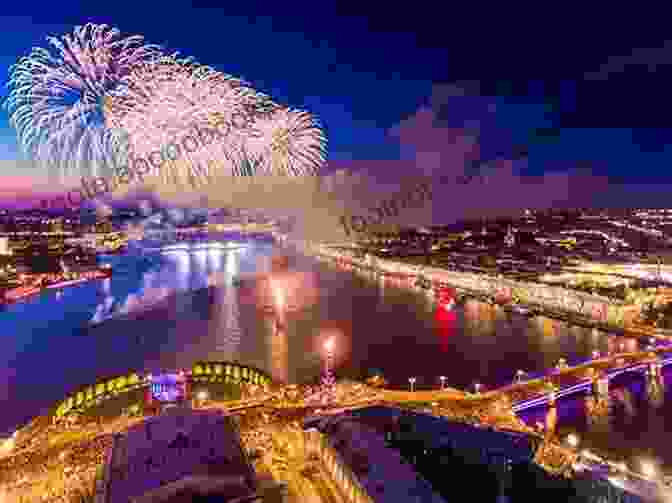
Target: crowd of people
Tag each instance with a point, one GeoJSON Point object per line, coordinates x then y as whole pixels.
{"type": "Point", "coordinates": [57, 462]}
{"type": "Point", "coordinates": [494, 413]}
{"type": "Point", "coordinates": [55, 475]}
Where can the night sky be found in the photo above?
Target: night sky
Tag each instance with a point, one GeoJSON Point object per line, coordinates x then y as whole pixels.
{"type": "Point", "coordinates": [574, 86]}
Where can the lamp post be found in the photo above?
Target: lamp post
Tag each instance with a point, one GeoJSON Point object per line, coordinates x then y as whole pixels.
{"type": "Point", "coordinates": [201, 397]}
{"type": "Point", "coordinates": [443, 382]}
{"type": "Point", "coordinates": [412, 380]}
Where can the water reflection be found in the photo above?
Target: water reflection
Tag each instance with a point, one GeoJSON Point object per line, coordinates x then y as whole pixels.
{"type": "Point", "coordinates": [481, 317]}
{"type": "Point", "coordinates": [623, 397]}
{"type": "Point", "coordinates": [446, 320]}
{"type": "Point", "coordinates": [385, 325]}
{"type": "Point", "coordinates": [278, 346]}
{"type": "Point", "coordinates": [225, 325]}
{"type": "Point", "coordinates": [655, 390]}
{"type": "Point", "coordinates": [174, 272]}
{"type": "Point", "coordinates": [628, 424]}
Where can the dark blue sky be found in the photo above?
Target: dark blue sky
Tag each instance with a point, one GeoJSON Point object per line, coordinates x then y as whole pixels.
{"type": "Point", "coordinates": [363, 67]}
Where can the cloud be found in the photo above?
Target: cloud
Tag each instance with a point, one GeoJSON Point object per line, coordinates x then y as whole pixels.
{"type": "Point", "coordinates": [650, 57]}
{"type": "Point", "coordinates": [439, 149]}
{"type": "Point", "coordinates": [441, 142]}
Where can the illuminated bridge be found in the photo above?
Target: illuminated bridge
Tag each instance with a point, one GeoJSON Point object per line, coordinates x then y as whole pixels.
{"type": "Point", "coordinates": [134, 385]}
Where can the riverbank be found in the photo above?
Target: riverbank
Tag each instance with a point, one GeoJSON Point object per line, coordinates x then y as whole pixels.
{"type": "Point", "coordinates": [575, 307]}
{"type": "Point", "coordinates": [41, 283]}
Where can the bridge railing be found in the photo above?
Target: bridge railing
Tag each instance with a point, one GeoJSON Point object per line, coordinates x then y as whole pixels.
{"type": "Point", "coordinates": [202, 371]}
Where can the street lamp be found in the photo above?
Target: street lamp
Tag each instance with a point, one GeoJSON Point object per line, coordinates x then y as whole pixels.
{"type": "Point", "coordinates": [443, 381]}
{"type": "Point", "coordinates": [519, 375]}
{"type": "Point", "coordinates": [412, 381]}
{"type": "Point", "coordinates": [477, 387]}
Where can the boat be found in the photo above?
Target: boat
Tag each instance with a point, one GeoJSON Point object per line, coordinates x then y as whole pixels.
{"type": "Point", "coordinates": [61, 284]}
{"type": "Point", "coordinates": [21, 292]}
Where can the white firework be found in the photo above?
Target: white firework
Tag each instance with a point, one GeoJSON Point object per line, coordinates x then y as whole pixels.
{"type": "Point", "coordinates": [56, 96]}
{"type": "Point", "coordinates": [289, 142]}
{"type": "Point", "coordinates": [164, 105]}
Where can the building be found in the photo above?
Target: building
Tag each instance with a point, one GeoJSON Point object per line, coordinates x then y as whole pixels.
{"type": "Point", "coordinates": [56, 225]}
{"type": "Point", "coordinates": [178, 456]}
{"type": "Point", "coordinates": [89, 241]}
{"type": "Point", "coordinates": [4, 246]}
{"type": "Point", "coordinates": [104, 226]}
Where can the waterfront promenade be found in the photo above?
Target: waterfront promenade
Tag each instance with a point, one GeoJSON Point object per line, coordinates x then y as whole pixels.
{"type": "Point", "coordinates": [552, 301]}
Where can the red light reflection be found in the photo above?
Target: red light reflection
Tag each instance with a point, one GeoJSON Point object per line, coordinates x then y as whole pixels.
{"type": "Point", "coordinates": [445, 323]}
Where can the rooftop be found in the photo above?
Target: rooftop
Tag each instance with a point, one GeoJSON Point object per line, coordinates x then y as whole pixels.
{"type": "Point", "coordinates": [380, 469]}
{"type": "Point", "coordinates": [163, 454]}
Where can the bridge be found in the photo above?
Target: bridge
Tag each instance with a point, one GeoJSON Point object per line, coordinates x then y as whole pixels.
{"type": "Point", "coordinates": [241, 228]}
{"type": "Point", "coordinates": [496, 409]}
{"type": "Point", "coordinates": [93, 395]}
{"type": "Point", "coordinates": [594, 374]}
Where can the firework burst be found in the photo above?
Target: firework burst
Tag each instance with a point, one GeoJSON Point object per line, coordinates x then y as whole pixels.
{"type": "Point", "coordinates": [162, 104]}
{"type": "Point", "coordinates": [56, 98]}
{"type": "Point", "coordinates": [165, 103]}
{"type": "Point", "coordinates": [289, 142]}
{"type": "Point", "coordinates": [98, 100]}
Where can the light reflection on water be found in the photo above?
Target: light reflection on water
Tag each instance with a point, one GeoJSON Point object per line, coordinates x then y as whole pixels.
{"type": "Point", "coordinates": [49, 346]}
{"type": "Point", "coordinates": [381, 324]}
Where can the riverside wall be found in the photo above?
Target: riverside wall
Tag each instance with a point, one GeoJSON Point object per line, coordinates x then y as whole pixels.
{"type": "Point", "coordinates": [352, 489]}
{"type": "Point", "coordinates": [600, 311]}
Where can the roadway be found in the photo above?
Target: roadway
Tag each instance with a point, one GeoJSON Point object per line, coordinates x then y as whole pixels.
{"type": "Point", "coordinates": [306, 482]}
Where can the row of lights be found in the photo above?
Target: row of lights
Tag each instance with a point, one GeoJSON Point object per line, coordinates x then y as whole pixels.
{"type": "Point", "coordinates": [562, 363]}
{"type": "Point", "coordinates": [412, 381]}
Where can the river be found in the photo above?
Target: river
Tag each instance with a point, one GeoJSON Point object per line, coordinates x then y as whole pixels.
{"type": "Point", "coordinates": [47, 350]}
